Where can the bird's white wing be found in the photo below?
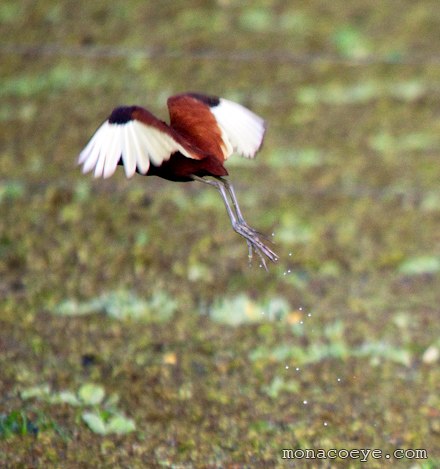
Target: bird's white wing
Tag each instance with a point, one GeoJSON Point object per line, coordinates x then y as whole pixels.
{"type": "Point", "coordinates": [242, 130]}
{"type": "Point", "coordinates": [134, 135]}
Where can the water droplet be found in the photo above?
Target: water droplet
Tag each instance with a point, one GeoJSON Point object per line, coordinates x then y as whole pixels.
{"type": "Point", "coordinates": [300, 308]}
{"type": "Point", "coordinates": [309, 315]}
{"type": "Point", "coordinates": [290, 253]}
{"type": "Point", "coordinates": [325, 424]}
{"type": "Point", "coordinates": [273, 234]}
{"type": "Point", "coordinates": [305, 402]}
{"type": "Point", "coordinates": [339, 380]}
{"type": "Point", "coordinates": [297, 368]}
{"type": "Point", "coordinates": [301, 322]}
{"type": "Point", "coordinates": [287, 367]}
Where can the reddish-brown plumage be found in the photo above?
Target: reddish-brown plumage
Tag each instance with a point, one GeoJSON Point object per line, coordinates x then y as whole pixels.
{"type": "Point", "coordinates": [195, 128]}
{"type": "Point", "coordinates": [145, 116]}
{"type": "Point", "coordinates": [192, 118]}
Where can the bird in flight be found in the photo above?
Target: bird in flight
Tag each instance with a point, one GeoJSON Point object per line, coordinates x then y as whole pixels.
{"type": "Point", "coordinates": [204, 131]}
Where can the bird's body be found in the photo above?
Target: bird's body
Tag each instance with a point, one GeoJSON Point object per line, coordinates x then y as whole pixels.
{"type": "Point", "coordinates": [203, 133]}
{"type": "Point", "coordinates": [179, 168]}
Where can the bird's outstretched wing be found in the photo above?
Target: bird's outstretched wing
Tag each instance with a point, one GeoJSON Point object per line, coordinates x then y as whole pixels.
{"type": "Point", "coordinates": [137, 137]}
{"type": "Point", "coordinates": [216, 125]}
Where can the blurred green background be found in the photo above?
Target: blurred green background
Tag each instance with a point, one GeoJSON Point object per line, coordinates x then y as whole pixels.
{"type": "Point", "coordinates": [132, 331]}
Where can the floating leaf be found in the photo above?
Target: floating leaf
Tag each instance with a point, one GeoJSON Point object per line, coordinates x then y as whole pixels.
{"type": "Point", "coordinates": [95, 422]}
{"type": "Point", "coordinates": [74, 308]}
{"type": "Point", "coordinates": [122, 305]}
{"type": "Point", "coordinates": [378, 351]}
{"type": "Point", "coordinates": [91, 394]}
{"type": "Point", "coordinates": [103, 424]}
{"type": "Point", "coordinates": [120, 425]}
{"type": "Point", "coordinates": [420, 265]}
{"type": "Point", "coordinates": [35, 392]}
{"type": "Point", "coordinates": [279, 385]}
{"type": "Point", "coordinates": [235, 311]}
{"type": "Point", "coordinates": [68, 397]}
{"type": "Point", "coordinates": [241, 310]}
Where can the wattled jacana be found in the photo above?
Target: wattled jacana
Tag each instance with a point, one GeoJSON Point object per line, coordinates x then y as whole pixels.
{"type": "Point", "coordinates": [203, 132]}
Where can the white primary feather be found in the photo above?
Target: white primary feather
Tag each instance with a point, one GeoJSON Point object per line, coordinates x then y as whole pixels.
{"type": "Point", "coordinates": [88, 148]}
{"type": "Point", "coordinates": [242, 130]}
{"type": "Point", "coordinates": [89, 156]}
{"type": "Point", "coordinates": [114, 153]}
{"type": "Point", "coordinates": [130, 148]}
{"type": "Point", "coordinates": [138, 144]}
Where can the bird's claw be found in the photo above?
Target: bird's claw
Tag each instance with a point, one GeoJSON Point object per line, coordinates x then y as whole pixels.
{"type": "Point", "coordinates": [255, 244]}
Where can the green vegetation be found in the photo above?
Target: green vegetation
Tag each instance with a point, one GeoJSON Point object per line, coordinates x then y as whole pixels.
{"type": "Point", "coordinates": [133, 333]}
{"type": "Point", "coordinates": [18, 423]}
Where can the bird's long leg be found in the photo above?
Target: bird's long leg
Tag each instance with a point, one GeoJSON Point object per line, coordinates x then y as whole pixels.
{"type": "Point", "coordinates": [240, 217]}
{"type": "Point", "coordinates": [273, 257]}
{"type": "Point", "coordinates": [235, 223]}
{"type": "Point", "coordinates": [238, 223]}
{"type": "Point", "coordinates": [232, 216]}
{"type": "Point", "coordinates": [231, 191]}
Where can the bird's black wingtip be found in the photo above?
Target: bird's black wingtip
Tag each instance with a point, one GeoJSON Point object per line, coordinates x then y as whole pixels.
{"type": "Point", "coordinates": [122, 115]}
{"type": "Point", "coordinates": [210, 101]}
